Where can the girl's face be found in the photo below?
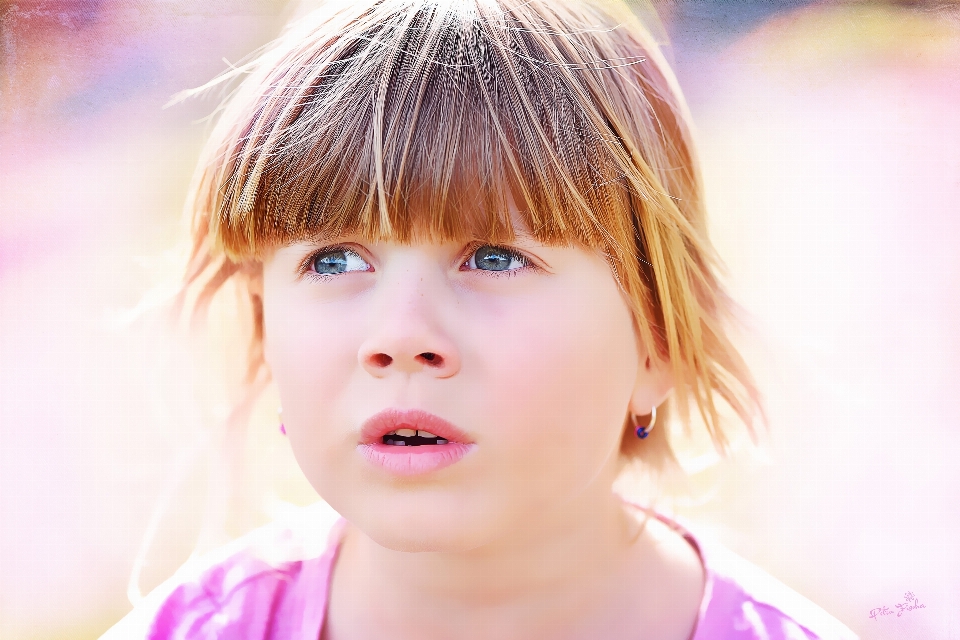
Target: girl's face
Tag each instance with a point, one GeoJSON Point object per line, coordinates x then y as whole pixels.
{"type": "Point", "coordinates": [528, 350]}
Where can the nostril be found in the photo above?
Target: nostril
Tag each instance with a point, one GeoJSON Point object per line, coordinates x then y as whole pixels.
{"type": "Point", "coordinates": [381, 360]}
{"type": "Point", "coordinates": [431, 358]}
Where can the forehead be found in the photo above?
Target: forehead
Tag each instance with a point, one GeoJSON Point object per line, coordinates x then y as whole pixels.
{"type": "Point", "coordinates": [503, 222]}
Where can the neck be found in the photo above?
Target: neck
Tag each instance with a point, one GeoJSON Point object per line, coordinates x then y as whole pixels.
{"type": "Point", "coordinates": [552, 548]}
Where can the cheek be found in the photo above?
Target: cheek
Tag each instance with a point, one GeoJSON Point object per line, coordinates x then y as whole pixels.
{"type": "Point", "coordinates": [311, 354]}
{"type": "Point", "coordinates": [561, 373]}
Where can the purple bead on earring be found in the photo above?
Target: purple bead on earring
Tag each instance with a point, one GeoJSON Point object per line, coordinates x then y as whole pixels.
{"type": "Point", "coordinates": [283, 429]}
{"type": "Point", "coordinates": [643, 432]}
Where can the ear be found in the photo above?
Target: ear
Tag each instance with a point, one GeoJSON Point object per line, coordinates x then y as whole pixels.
{"type": "Point", "coordinates": [253, 273]}
{"type": "Point", "coordinates": [654, 383]}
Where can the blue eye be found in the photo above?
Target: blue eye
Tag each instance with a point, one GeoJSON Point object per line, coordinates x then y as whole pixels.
{"type": "Point", "coordinates": [490, 258]}
{"type": "Point", "coordinates": [338, 260]}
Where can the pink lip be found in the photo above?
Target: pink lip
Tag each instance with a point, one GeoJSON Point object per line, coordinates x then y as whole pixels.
{"type": "Point", "coordinates": [410, 461]}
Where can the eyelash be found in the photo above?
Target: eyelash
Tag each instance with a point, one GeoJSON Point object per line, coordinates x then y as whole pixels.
{"type": "Point", "coordinates": [306, 267]}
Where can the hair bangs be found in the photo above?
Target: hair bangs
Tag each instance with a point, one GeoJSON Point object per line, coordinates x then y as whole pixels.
{"type": "Point", "coordinates": [422, 126]}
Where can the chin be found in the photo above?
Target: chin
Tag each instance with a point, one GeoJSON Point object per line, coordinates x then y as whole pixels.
{"type": "Point", "coordinates": [424, 523]}
{"type": "Point", "coordinates": [400, 541]}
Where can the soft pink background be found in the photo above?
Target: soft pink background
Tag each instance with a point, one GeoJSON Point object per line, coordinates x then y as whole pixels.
{"type": "Point", "coordinates": [830, 138]}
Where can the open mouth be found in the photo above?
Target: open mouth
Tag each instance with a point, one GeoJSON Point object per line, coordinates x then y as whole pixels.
{"type": "Point", "coordinates": [411, 438]}
{"type": "Point", "coordinates": [410, 428]}
{"type": "Point", "coordinates": [429, 442]}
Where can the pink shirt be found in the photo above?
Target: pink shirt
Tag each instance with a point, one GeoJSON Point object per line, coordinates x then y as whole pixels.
{"type": "Point", "coordinates": [273, 584]}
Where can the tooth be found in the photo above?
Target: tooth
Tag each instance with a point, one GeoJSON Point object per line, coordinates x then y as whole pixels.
{"type": "Point", "coordinates": [390, 433]}
{"type": "Point", "coordinates": [406, 433]}
{"type": "Point", "coordinates": [425, 434]}
{"type": "Point", "coordinates": [441, 441]}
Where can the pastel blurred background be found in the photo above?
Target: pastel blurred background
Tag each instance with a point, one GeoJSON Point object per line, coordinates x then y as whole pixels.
{"type": "Point", "coordinates": [830, 140]}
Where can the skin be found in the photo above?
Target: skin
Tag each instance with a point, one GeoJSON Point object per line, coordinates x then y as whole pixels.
{"type": "Point", "coordinates": [539, 365]}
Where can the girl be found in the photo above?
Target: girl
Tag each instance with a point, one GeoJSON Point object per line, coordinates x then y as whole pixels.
{"type": "Point", "coordinates": [473, 238]}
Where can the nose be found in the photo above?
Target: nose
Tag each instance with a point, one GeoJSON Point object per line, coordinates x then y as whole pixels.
{"type": "Point", "coordinates": [408, 335]}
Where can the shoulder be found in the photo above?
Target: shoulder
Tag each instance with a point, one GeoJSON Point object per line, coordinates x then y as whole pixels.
{"type": "Point", "coordinates": [744, 602]}
{"type": "Point", "coordinates": [741, 601]}
{"type": "Point", "coordinates": [259, 586]}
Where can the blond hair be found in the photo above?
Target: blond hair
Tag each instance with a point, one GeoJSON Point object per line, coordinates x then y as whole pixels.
{"type": "Point", "coordinates": [413, 120]}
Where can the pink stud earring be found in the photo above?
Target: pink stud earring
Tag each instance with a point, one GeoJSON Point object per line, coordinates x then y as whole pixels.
{"type": "Point", "coordinates": [283, 429]}
{"type": "Point", "coordinates": [643, 432]}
